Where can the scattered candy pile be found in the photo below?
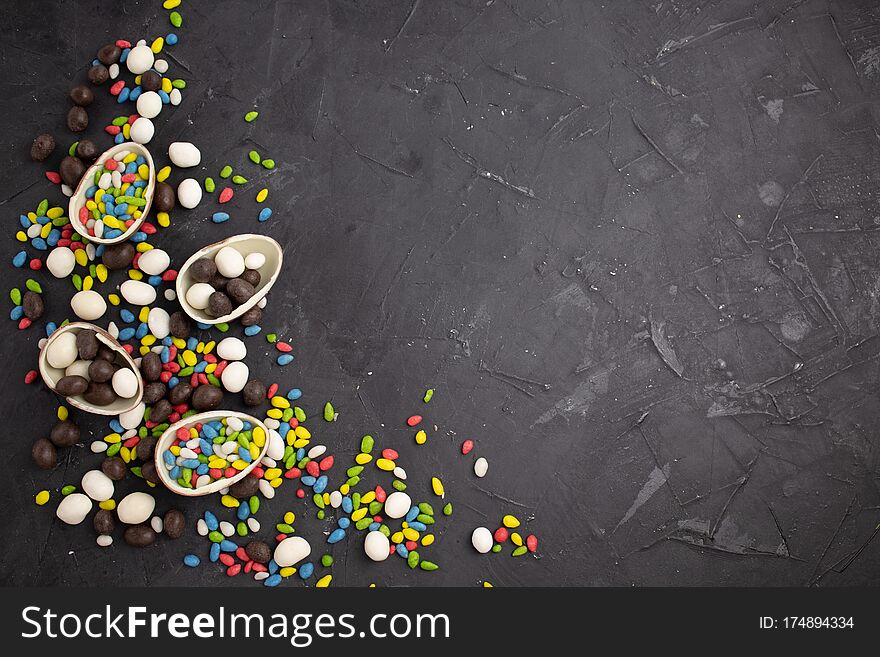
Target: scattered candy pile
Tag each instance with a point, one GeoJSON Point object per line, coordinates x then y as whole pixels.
{"type": "Point", "coordinates": [184, 368]}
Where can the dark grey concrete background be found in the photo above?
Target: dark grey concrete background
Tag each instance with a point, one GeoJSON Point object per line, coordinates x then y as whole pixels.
{"type": "Point", "coordinates": [633, 245]}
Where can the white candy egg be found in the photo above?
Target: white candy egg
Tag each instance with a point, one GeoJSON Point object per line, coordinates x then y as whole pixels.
{"type": "Point", "coordinates": [481, 539]}
{"type": "Point", "coordinates": [132, 419]}
{"type": "Point", "coordinates": [481, 467]}
{"type": "Point", "coordinates": [397, 504]}
{"type": "Point", "coordinates": [159, 322]}
{"type": "Point", "coordinates": [229, 262]}
{"type": "Point", "coordinates": [140, 59]}
{"type": "Point", "coordinates": [254, 260]}
{"type": "Point", "coordinates": [138, 293]}
{"type": "Point", "coordinates": [291, 551]}
{"type": "Point", "coordinates": [154, 262]}
{"type": "Point", "coordinates": [189, 193]}
{"type": "Point", "coordinates": [184, 154]}
{"type": "Point", "coordinates": [88, 305]}
{"type": "Point", "coordinates": [135, 508]}
{"type": "Point", "coordinates": [60, 262]}
{"type": "Point", "coordinates": [125, 383]}
{"type": "Point", "coordinates": [62, 352]}
{"type": "Point", "coordinates": [74, 508]}
{"type": "Point", "coordinates": [149, 104]}
{"type": "Point", "coordinates": [231, 349]}
{"type": "Point", "coordinates": [197, 296]}
{"type": "Point", "coordinates": [376, 546]}
{"type": "Point", "coordinates": [235, 376]}
{"type": "Point", "coordinates": [142, 130]}
{"type": "Point", "coordinates": [97, 485]}
{"type": "Point", "coordinates": [79, 368]}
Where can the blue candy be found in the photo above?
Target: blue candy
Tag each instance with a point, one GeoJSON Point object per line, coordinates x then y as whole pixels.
{"type": "Point", "coordinates": [116, 426]}
{"type": "Point", "coordinates": [336, 535]}
{"type": "Point", "coordinates": [252, 330]}
{"type": "Point", "coordinates": [374, 526]}
{"type": "Point", "coordinates": [228, 546]}
{"type": "Point", "coordinates": [308, 480]}
{"type": "Point", "coordinates": [126, 334]}
{"type": "Point", "coordinates": [401, 550]}
{"type": "Point", "coordinates": [171, 39]}
{"type": "Point", "coordinates": [123, 95]}
{"type": "Point", "coordinates": [306, 570]}
{"type": "Point", "coordinates": [39, 244]}
{"type": "Point", "coordinates": [51, 327]}
{"type": "Point", "coordinates": [321, 484]}
{"type": "Point", "coordinates": [126, 315]}
{"type": "Point", "coordinates": [265, 213]}
{"type": "Point", "coordinates": [244, 511]}
{"type": "Point", "coordinates": [285, 359]}
{"type": "Point", "coordinates": [347, 505]}
{"type": "Point", "coordinates": [273, 567]}
{"type": "Point", "coordinates": [203, 327]}
{"type": "Point", "coordinates": [412, 513]}
{"type": "Point", "coordinates": [191, 560]}
{"type": "Point", "coordinates": [211, 521]}
{"type": "Point", "coordinates": [418, 526]}
{"type": "Point", "coordinates": [343, 523]}
{"type": "Point", "coordinates": [294, 394]}
{"type": "Point", "coordinates": [220, 217]}
{"type": "Point", "coordinates": [272, 580]}
{"type": "Point", "coordinates": [16, 313]}
{"type": "Point", "coordinates": [214, 555]}
{"type": "Point", "coordinates": [168, 457]}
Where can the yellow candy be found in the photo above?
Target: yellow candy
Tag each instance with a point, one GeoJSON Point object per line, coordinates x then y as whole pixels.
{"type": "Point", "coordinates": [180, 343]}
{"type": "Point", "coordinates": [287, 571]}
{"type": "Point", "coordinates": [42, 497]}
{"type": "Point", "coordinates": [410, 534]}
{"type": "Point", "coordinates": [143, 247]}
{"type": "Point", "coordinates": [112, 438]}
{"type": "Point", "coordinates": [32, 216]}
{"type": "Point", "coordinates": [131, 157]}
{"type": "Point", "coordinates": [421, 438]}
{"type": "Point", "coordinates": [359, 514]}
{"type": "Point", "coordinates": [170, 4]}
{"type": "Point", "coordinates": [397, 537]}
{"type": "Point", "coordinates": [113, 298]}
{"type": "Point", "coordinates": [427, 539]}
{"type": "Point", "coordinates": [385, 464]}
{"type": "Point", "coordinates": [163, 219]}
{"type": "Point", "coordinates": [280, 402]}
{"type": "Point", "coordinates": [148, 340]}
{"type": "Point", "coordinates": [326, 498]}
{"type": "Point", "coordinates": [262, 194]}
{"type": "Point", "coordinates": [258, 436]}
{"type": "Point", "coordinates": [135, 275]}
{"type": "Point", "coordinates": [144, 350]}
{"type": "Point", "coordinates": [275, 413]}
{"type": "Point", "coordinates": [240, 464]}
{"type": "Point", "coordinates": [302, 432]}
{"type": "Point", "coordinates": [21, 236]}
{"type": "Point", "coordinates": [101, 272]}
{"type": "Point", "coordinates": [272, 473]}
{"type": "Point", "coordinates": [324, 582]}
{"type": "Point", "coordinates": [125, 453]}
{"type": "Point", "coordinates": [107, 505]}
{"type": "Point", "coordinates": [87, 283]}
{"type": "Point", "coordinates": [63, 413]}
{"type": "Point", "coordinates": [82, 259]}
{"type": "Point", "coordinates": [144, 171]}
{"type": "Point", "coordinates": [210, 368]}
{"type": "Point", "coordinates": [45, 230]}
{"type": "Point", "coordinates": [190, 358]}
{"type": "Point", "coordinates": [363, 459]}
{"type": "Point", "coordinates": [229, 501]}
{"type": "Point", "coordinates": [144, 314]}
{"type": "Point", "coordinates": [163, 173]}
{"type": "Point", "coordinates": [126, 131]}
{"type": "Point", "coordinates": [487, 585]}
{"type": "Point", "coordinates": [137, 79]}
{"type": "Point", "coordinates": [510, 521]}
{"type": "Point", "coordinates": [300, 442]}
{"type": "Point", "coordinates": [166, 85]}
{"type": "Point", "coordinates": [275, 483]}
{"type": "Point", "coordinates": [289, 517]}
{"type": "Point", "coordinates": [218, 464]}
{"type": "Point", "coordinates": [156, 47]}
{"type": "Point", "coordinates": [368, 497]}
{"type": "Point", "coordinates": [344, 488]}
{"type": "Point", "coordinates": [516, 539]}
{"type": "Point", "coordinates": [437, 486]}
{"type": "Point", "coordinates": [193, 432]}
{"type": "Point", "coordinates": [209, 346]}
{"type": "Point", "coordinates": [55, 212]}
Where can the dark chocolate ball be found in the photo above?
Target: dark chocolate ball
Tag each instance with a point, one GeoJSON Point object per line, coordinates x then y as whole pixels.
{"type": "Point", "coordinates": [42, 147]}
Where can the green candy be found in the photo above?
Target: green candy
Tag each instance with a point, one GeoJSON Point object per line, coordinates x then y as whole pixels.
{"type": "Point", "coordinates": [428, 565]}
{"type": "Point", "coordinates": [241, 528]}
{"type": "Point", "coordinates": [216, 537]}
{"type": "Point", "coordinates": [425, 519]}
{"type": "Point", "coordinates": [320, 514]}
{"type": "Point", "coordinates": [375, 508]}
{"type": "Point", "coordinates": [254, 157]}
{"type": "Point", "coordinates": [226, 171]}
{"type": "Point", "coordinates": [67, 490]}
{"type": "Point", "coordinates": [496, 548]}
{"type": "Point", "coordinates": [15, 295]}
{"type": "Point", "coordinates": [254, 504]}
{"type": "Point", "coordinates": [398, 485]}
{"type": "Point", "coordinates": [429, 393]}
{"type": "Point", "coordinates": [299, 413]}
{"type": "Point", "coordinates": [42, 207]}
{"type": "Point", "coordinates": [383, 529]}
{"type": "Point", "coordinates": [355, 501]}
{"type": "Point", "coordinates": [251, 116]}
{"type": "Point", "coordinates": [209, 185]}
{"type": "Point", "coordinates": [353, 481]}
{"type": "Point", "coordinates": [119, 121]}
{"type": "Point", "coordinates": [318, 499]}
{"type": "Point", "coordinates": [178, 84]}
{"type": "Point", "coordinates": [33, 286]}
{"type": "Point", "coordinates": [326, 561]}
{"type": "Point", "coordinates": [518, 552]}
{"type": "Point", "coordinates": [412, 560]}
{"type": "Point", "coordinates": [72, 149]}
{"type": "Point", "coordinates": [447, 510]}
{"type": "Point", "coordinates": [175, 18]}
{"type": "Point", "coordinates": [426, 508]}
{"type": "Point", "coordinates": [271, 338]}
{"type": "Point", "coordinates": [367, 444]}
{"type": "Point", "coordinates": [329, 413]}
{"type": "Point", "coordinates": [77, 281]}
{"type": "Point", "coordinates": [239, 180]}
{"type": "Point", "coordinates": [363, 523]}
{"type": "Point", "coordinates": [284, 528]}
{"type": "Point", "coordinates": [268, 164]}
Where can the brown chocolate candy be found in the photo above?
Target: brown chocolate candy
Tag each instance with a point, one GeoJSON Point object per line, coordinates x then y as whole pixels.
{"type": "Point", "coordinates": [139, 535]}
{"type": "Point", "coordinates": [239, 290]}
{"type": "Point", "coordinates": [42, 147]}
{"type": "Point", "coordinates": [154, 391]}
{"type": "Point", "coordinates": [180, 394]}
{"type": "Point", "coordinates": [151, 81]}
{"type": "Point", "coordinates": [251, 317]}
{"type": "Point", "coordinates": [114, 467]}
{"type": "Point", "coordinates": [109, 54]}
{"type": "Point", "coordinates": [101, 371]}
{"type": "Point", "coordinates": [151, 366]}
{"type": "Point", "coordinates": [254, 392]}
{"type": "Point", "coordinates": [206, 398]}
{"type": "Point", "coordinates": [219, 281]}
{"type": "Point", "coordinates": [77, 119]}
{"type": "Point", "coordinates": [164, 197]}
{"type": "Point", "coordinates": [70, 386]}
{"type": "Point", "coordinates": [245, 488]}
{"type": "Point", "coordinates": [180, 325]}
{"type": "Point", "coordinates": [118, 256]}
{"type": "Point", "coordinates": [86, 149]}
{"type": "Point", "coordinates": [103, 522]}
{"type": "Point", "coordinates": [44, 454]}
{"type": "Point", "coordinates": [64, 434]}
{"type": "Point", "coordinates": [82, 95]}
{"type": "Point", "coordinates": [99, 394]}
{"type": "Point", "coordinates": [71, 170]}
{"type": "Point", "coordinates": [148, 472]}
{"type": "Point", "coordinates": [219, 304]}
{"type": "Point", "coordinates": [87, 344]}
{"type": "Point", "coordinates": [160, 411]}
{"type": "Point", "coordinates": [145, 448]}
{"type": "Point", "coordinates": [174, 523]}
{"type": "Point", "coordinates": [203, 270]}
{"type": "Point", "coordinates": [32, 303]}
{"type": "Point", "coordinates": [106, 353]}
{"type": "Point", "coordinates": [252, 276]}
{"type": "Point", "coordinates": [259, 551]}
{"type": "Point", "coordinates": [98, 74]}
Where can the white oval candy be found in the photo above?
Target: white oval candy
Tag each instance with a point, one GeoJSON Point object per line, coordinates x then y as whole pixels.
{"type": "Point", "coordinates": [231, 349]}
{"type": "Point", "coordinates": [88, 305]}
{"type": "Point", "coordinates": [161, 66]}
{"type": "Point", "coordinates": [159, 322]}
{"type": "Point", "coordinates": [189, 193]}
{"type": "Point", "coordinates": [336, 499]}
{"type": "Point", "coordinates": [154, 262]}
{"type": "Point", "coordinates": [149, 104]}
{"type": "Point", "coordinates": [125, 383]}
{"type": "Point", "coordinates": [481, 539]}
{"type": "Point", "coordinates": [104, 540]}
{"type": "Point", "coordinates": [291, 551]}
{"type": "Point", "coordinates": [97, 485]}
{"type": "Point", "coordinates": [62, 352]}
{"type": "Point", "coordinates": [74, 508]}
{"type": "Point", "coordinates": [397, 504]}
{"type": "Point", "coordinates": [138, 293]}
{"type": "Point", "coordinates": [60, 262]}
{"type": "Point", "coordinates": [79, 368]}
{"type": "Point", "coordinates": [142, 130]}
{"type": "Point", "coordinates": [235, 376]}
{"type": "Point", "coordinates": [229, 262]}
{"type": "Point", "coordinates": [197, 296]}
{"type": "Point", "coordinates": [254, 260]}
{"type": "Point", "coordinates": [175, 97]}
{"type": "Point", "coordinates": [132, 419]}
{"type": "Point", "coordinates": [376, 546]}
{"type": "Point", "coordinates": [140, 59]}
{"type": "Point", "coordinates": [135, 508]}
{"type": "Point", "coordinates": [276, 446]}
{"type": "Point", "coordinates": [184, 154]}
{"type": "Point", "coordinates": [481, 467]}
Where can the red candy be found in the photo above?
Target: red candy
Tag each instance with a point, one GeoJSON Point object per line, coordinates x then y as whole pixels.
{"type": "Point", "coordinates": [283, 346]}
{"type": "Point", "coordinates": [411, 545]}
{"type": "Point", "coordinates": [380, 494]}
{"type": "Point", "coordinates": [312, 468]}
{"type": "Point", "coordinates": [182, 434]}
{"type": "Point", "coordinates": [501, 534]}
{"type": "Point", "coordinates": [30, 377]}
{"type": "Point", "coordinates": [36, 264]}
{"type": "Point", "coordinates": [413, 420]}
{"type": "Point", "coordinates": [226, 195]}
{"type": "Point", "coordinates": [532, 542]}
{"type": "Point", "coordinates": [115, 90]}
{"type": "Point", "coordinates": [293, 473]}
{"type": "Point", "coordinates": [53, 177]}
{"type": "Point", "coordinates": [273, 389]}
{"type": "Point", "coordinates": [326, 463]}
{"type": "Point", "coordinates": [113, 130]}
{"type": "Point", "coordinates": [467, 446]}
{"type": "Point", "coordinates": [390, 454]}
{"type": "Point", "coordinates": [169, 274]}
{"type": "Point", "coordinates": [232, 571]}
{"type": "Point", "coordinates": [148, 228]}
{"type": "Point", "coordinates": [24, 323]}
{"type": "Point", "coordinates": [226, 559]}
{"type": "Point", "coordinates": [122, 43]}
{"type": "Point", "coordinates": [300, 493]}
{"type": "Point", "coordinates": [241, 554]}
